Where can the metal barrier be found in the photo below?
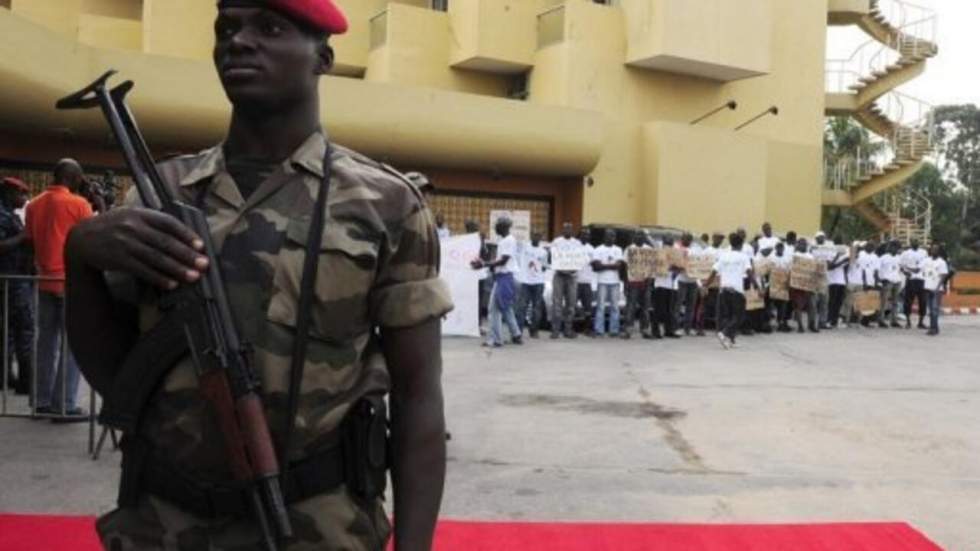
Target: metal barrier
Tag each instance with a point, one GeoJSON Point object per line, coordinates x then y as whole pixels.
{"type": "Point", "coordinates": [5, 401]}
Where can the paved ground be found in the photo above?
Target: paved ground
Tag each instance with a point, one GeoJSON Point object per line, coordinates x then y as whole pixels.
{"type": "Point", "coordinates": [860, 425]}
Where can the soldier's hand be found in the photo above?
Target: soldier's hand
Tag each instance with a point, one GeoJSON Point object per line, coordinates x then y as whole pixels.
{"type": "Point", "coordinates": [148, 244]}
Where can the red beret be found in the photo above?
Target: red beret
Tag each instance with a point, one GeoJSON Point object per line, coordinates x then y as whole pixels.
{"type": "Point", "coordinates": [17, 184]}
{"type": "Point", "coordinates": [322, 15]}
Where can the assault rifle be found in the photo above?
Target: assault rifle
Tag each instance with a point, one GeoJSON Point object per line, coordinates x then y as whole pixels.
{"type": "Point", "coordinates": [205, 328]}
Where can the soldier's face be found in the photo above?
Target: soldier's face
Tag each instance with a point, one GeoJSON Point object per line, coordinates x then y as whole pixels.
{"type": "Point", "coordinates": [266, 60]}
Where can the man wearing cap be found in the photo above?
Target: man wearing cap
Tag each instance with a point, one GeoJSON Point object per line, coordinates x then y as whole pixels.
{"type": "Point", "coordinates": [375, 315]}
{"type": "Point", "coordinates": [16, 260]}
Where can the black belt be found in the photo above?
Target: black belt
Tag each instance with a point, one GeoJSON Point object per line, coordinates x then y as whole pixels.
{"type": "Point", "coordinates": [313, 476]}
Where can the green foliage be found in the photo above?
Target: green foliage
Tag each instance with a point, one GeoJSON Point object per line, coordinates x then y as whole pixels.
{"type": "Point", "coordinates": [958, 135]}
{"type": "Point", "coordinates": [843, 138]}
{"type": "Point", "coordinates": [953, 188]}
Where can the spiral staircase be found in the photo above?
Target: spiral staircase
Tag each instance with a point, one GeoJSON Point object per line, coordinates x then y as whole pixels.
{"type": "Point", "coordinates": [864, 86]}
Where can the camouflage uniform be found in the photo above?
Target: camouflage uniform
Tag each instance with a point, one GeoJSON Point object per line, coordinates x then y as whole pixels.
{"type": "Point", "coordinates": [20, 298]}
{"type": "Point", "coordinates": [378, 268]}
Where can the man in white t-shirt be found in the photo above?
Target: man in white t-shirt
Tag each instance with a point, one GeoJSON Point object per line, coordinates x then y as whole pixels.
{"type": "Point", "coordinates": [504, 293]}
{"type": "Point", "coordinates": [825, 252]}
{"type": "Point", "coordinates": [638, 303]}
{"type": "Point", "coordinates": [768, 241]}
{"type": "Point", "coordinates": [534, 265]}
{"type": "Point", "coordinates": [586, 279]}
{"type": "Point", "coordinates": [855, 282]}
{"type": "Point", "coordinates": [935, 279]}
{"type": "Point", "coordinates": [564, 286]}
{"type": "Point", "coordinates": [709, 299]}
{"type": "Point", "coordinates": [607, 259]}
{"type": "Point", "coordinates": [837, 283]}
{"type": "Point", "coordinates": [781, 262]}
{"type": "Point", "coordinates": [733, 268]}
{"type": "Point", "coordinates": [911, 262]}
{"type": "Point", "coordinates": [664, 307]}
{"type": "Point", "coordinates": [686, 295]}
{"type": "Point", "coordinates": [442, 230]}
{"type": "Point", "coordinates": [890, 273]}
{"type": "Point", "coordinates": [868, 265]}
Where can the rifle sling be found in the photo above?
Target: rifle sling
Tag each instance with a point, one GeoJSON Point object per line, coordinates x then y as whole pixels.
{"type": "Point", "coordinates": [152, 357]}
{"type": "Point", "coordinates": [305, 307]}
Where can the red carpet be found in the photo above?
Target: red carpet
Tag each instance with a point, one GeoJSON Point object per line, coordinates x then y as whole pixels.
{"type": "Point", "coordinates": [49, 533]}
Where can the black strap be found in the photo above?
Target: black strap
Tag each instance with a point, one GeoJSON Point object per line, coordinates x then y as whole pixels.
{"type": "Point", "coordinates": [305, 308]}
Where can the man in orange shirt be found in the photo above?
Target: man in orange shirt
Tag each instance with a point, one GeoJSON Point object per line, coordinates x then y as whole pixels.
{"type": "Point", "coordinates": [49, 218]}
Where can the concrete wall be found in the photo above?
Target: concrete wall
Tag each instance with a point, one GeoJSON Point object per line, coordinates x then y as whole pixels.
{"type": "Point", "coordinates": [704, 178]}
{"type": "Point", "coordinates": [179, 28]}
{"type": "Point", "coordinates": [719, 39]}
{"type": "Point", "coordinates": [423, 99]}
{"type": "Point", "coordinates": [110, 32]}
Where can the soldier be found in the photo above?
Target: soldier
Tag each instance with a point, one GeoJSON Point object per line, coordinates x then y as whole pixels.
{"type": "Point", "coordinates": [16, 259]}
{"type": "Point", "coordinates": [375, 317]}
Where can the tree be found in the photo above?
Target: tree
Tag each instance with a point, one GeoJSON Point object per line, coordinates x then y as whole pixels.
{"type": "Point", "coordinates": [847, 141]}
{"type": "Point", "coordinates": [958, 136]}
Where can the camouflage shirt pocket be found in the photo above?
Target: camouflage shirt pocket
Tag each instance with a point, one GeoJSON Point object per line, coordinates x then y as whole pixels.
{"type": "Point", "coordinates": [346, 274]}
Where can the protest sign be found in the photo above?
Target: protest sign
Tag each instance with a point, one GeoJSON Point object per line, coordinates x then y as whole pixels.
{"type": "Point", "coordinates": [867, 302]}
{"type": "Point", "coordinates": [807, 274]}
{"type": "Point", "coordinates": [641, 263]}
{"type": "Point", "coordinates": [700, 266]}
{"type": "Point", "coordinates": [762, 266]}
{"type": "Point", "coordinates": [463, 282]}
{"type": "Point", "coordinates": [569, 258]}
{"type": "Point", "coordinates": [754, 301]}
{"type": "Point", "coordinates": [779, 284]}
{"type": "Point", "coordinates": [676, 258]}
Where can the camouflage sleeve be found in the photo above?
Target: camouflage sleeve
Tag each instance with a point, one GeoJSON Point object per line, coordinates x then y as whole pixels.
{"type": "Point", "coordinates": [408, 290]}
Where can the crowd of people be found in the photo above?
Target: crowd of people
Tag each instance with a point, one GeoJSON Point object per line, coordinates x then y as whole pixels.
{"type": "Point", "coordinates": [603, 299]}
{"type": "Point", "coordinates": [33, 232]}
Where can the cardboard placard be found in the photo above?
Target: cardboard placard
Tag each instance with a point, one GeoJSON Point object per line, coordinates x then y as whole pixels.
{"type": "Point", "coordinates": [754, 301]}
{"type": "Point", "coordinates": [700, 266]}
{"type": "Point", "coordinates": [807, 274]}
{"type": "Point", "coordinates": [762, 266]}
{"type": "Point", "coordinates": [867, 302]}
{"type": "Point", "coordinates": [641, 263]}
{"type": "Point", "coordinates": [569, 258]}
{"type": "Point", "coordinates": [676, 258]}
{"type": "Point", "coordinates": [779, 284]}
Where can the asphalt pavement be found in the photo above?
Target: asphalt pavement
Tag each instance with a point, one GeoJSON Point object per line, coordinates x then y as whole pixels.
{"type": "Point", "coordinates": [850, 425]}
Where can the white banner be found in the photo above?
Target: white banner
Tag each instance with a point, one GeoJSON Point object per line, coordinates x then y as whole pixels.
{"type": "Point", "coordinates": [463, 282]}
{"type": "Point", "coordinates": [569, 258]}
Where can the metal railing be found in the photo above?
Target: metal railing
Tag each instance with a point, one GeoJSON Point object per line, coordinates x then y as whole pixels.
{"type": "Point", "coordinates": [8, 405]}
{"type": "Point", "coordinates": [914, 30]}
{"type": "Point", "coordinates": [551, 26]}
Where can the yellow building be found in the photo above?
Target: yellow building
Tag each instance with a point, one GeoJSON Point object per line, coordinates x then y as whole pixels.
{"type": "Point", "coordinates": [576, 110]}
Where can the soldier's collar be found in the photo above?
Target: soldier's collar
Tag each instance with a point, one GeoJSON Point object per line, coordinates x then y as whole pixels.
{"type": "Point", "coordinates": [308, 156]}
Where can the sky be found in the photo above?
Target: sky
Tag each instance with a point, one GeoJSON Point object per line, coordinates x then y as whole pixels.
{"type": "Point", "coordinates": [951, 77]}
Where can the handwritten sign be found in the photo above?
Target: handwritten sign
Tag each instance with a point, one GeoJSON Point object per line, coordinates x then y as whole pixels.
{"type": "Point", "coordinates": [754, 301]}
{"type": "Point", "coordinates": [641, 263]}
{"type": "Point", "coordinates": [676, 258]}
{"type": "Point", "coordinates": [807, 274]}
{"type": "Point", "coordinates": [762, 266]}
{"type": "Point", "coordinates": [569, 258]}
{"type": "Point", "coordinates": [700, 266]}
{"type": "Point", "coordinates": [779, 284]}
{"type": "Point", "coordinates": [867, 302]}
